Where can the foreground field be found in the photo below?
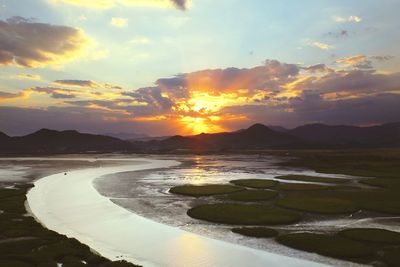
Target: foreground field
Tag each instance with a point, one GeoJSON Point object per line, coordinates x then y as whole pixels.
{"type": "Point", "coordinates": [25, 243]}
{"type": "Point", "coordinates": [372, 193]}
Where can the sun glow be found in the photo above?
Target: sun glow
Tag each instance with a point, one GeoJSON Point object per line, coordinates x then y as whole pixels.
{"type": "Point", "coordinates": [197, 125]}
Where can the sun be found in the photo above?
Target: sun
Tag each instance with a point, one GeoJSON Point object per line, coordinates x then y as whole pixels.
{"type": "Point", "coordinates": [197, 125]}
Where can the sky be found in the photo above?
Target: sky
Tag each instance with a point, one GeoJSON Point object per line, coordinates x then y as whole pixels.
{"type": "Point", "coordinates": [164, 67]}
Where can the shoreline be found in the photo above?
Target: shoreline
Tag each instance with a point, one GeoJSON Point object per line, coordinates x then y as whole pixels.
{"type": "Point", "coordinates": [119, 234]}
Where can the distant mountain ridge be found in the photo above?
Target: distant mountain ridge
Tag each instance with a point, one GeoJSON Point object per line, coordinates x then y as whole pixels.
{"type": "Point", "coordinates": [257, 136]}
{"type": "Point", "coordinates": [52, 141]}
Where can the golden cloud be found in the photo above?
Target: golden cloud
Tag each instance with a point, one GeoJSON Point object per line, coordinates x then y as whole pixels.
{"type": "Point", "coordinates": [26, 43]}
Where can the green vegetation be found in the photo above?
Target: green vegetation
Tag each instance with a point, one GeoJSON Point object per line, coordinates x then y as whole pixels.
{"type": "Point", "coordinates": [242, 214]}
{"type": "Point", "coordinates": [255, 183]}
{"type": "Point", "coordinates": [328, 245]}
{"type": "Point", "coordinates": [379, 163]}
{"type": "Point", "coordinates": [260, 232]}
{"type": "Point", "coordinates": [372, 235]}
{"type": "Point", "coordinates": [315, 179]}
{"type": "Point", "coordinates": [389, 183]}
{"type": "Point", "coordinates": [25, 243]}
{"type": "Point", "coordinates": [391, 256]}
{"type": "Point", "coordinates": [302, 187]}
{"type": "Point", "coordinates": [318, 205]}
{"type": "Point", "coordinates": [204, 190]}
{"type": "Point", "coordinates": [252, 195]}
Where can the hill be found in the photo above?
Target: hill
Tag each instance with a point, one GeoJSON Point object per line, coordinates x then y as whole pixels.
{"type": "Point", "coordinates": [52, 141]}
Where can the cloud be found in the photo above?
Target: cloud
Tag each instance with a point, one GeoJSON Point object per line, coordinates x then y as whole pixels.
{"type": "Point", "coordinates": [362, 61]}
{"type": "Point", "coordinates": [6, 95]}
{"type": "Point", "coordinates": [341, 34]}
{"type": "Point", "coordinates": [26, 76]}
{"type": "Point", "coordinates": [318, 68]}
{"type": "Point", "coordinates": [320, 45]}
{"type": "Point", "coordinates": [339, 19]}
{"type": "Point", "coordinates": [139, 40]}
{"type": "Point", "coordinates": [106, 4]}
{"type": "Point", "coordinates": [230, 98]}
{"type": "Point", "coordinates": [9, 96]}
{"type": "Point", "coordinates": [78, 83]}
{"type": "Point", "coordinates": [26, 43]}
{"type": "Point", "coordinates": [119, 22]}
{"type": "Point", "coordinates": [55, 92]}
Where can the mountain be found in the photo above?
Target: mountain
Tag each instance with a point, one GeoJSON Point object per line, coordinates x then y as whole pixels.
{"type": "Point", "coordinates": [342, 135]}
{"type": "Point", "coordinates": [52, 141]}
{"type": "Point", "coordinates": [3, 136]}
{"type": "Point", "coordinates": [127, 136]}
{"type": "Point", "coordinates": [257, 136]}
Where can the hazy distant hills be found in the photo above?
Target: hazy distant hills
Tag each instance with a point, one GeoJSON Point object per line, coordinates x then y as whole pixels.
{"type": "Point", "coordinates": [258, 136]}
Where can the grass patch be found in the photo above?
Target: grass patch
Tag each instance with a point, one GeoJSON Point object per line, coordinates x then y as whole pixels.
{"type": "Point", "coordinates": [255, 183]}
{"type": "Point", "coordinates": [383, 163]}
{"type": "Point", "coordinates": [372, 235]}
{"type": "Point", "coordinates": [302, 187]}
{"type": "Point", "coordinates": [327, 245]}
{"type": "Point", "coordinates": [315, 179]}
{"type": "Point", "coordinates": [259, 232]}
{"type": "Point", "coordinates": [204, 190]}
{"type": "Point", "coordinates": [252, 195]}
{"type": "Point", "coordinates": [382, 182]}
{"type": "Point", "coordinates": [318, 205]}
{"type": "Point", "coordinates": [242, 214]}
{"type": "Point", "coordinates": [392, 257]}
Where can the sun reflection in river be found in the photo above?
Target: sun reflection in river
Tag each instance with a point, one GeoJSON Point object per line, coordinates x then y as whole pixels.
{"type": "Point", "coordinates": [192, 247]}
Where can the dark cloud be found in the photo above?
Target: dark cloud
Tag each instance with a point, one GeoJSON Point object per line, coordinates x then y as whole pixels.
{"type": "Point", "coordinates": [318, 68]}
{"type": "Point", "coordinates": [79, 83]}
{"type": "Point", "coordinates": [6, 95]}
{"type": "Point", "coordinates": [310, 108]}
{"type": "Point", "coordinates": [55, 92]}
{"type": "Point", "coordinates": [61, 96]}
{"type": "Point", "coordinates": [354, 81]}
{"type": "Point", "coordinates": [152, 96]}
{"type": "Point", "coordinates": [26, 43]}
{"type": "Point", "coordinates": [180, 4]}
{"type": "Point", "coordinates": [341, 34]}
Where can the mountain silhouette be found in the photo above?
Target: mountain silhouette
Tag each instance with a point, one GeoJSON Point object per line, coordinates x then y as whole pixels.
{"type": "Point", "coordinates": [257, 136]}
{"type": "Point", "coordinates": [70, 141]}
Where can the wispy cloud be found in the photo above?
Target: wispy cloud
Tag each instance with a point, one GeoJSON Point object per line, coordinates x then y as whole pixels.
{"type": "Point", "coordinates": [119, 22]}
{"type": "Point", "coordinates": [353, 18]}
{"type": "Point", "coordinates": [320, 45]}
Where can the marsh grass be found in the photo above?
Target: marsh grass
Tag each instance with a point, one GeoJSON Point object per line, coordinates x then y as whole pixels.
{"type": "Point", "coordinates": [318, 205]}
{"type": "Point", "coordinates": [252, 195]}
{"type": "Point", "coordinates": [302, 187]}
{"type": "Point", "coordinates": [259, 232]}
{"type": "Point", "coordinates": [243, 214]}
{"type": "Point", "coordinates": [372, 235]}
{"type": "Point", "coordinates": [204, 190]}
{"type": "Point", "coordinates": [255, 183]}
{"type": "Point", "coordinates": [328, 245]}
{"type": "Point", "coordinates": [315, 179]}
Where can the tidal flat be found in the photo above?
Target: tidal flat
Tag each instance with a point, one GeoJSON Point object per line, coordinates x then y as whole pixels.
{"type": "Point", "coordinates": [319, 204]}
